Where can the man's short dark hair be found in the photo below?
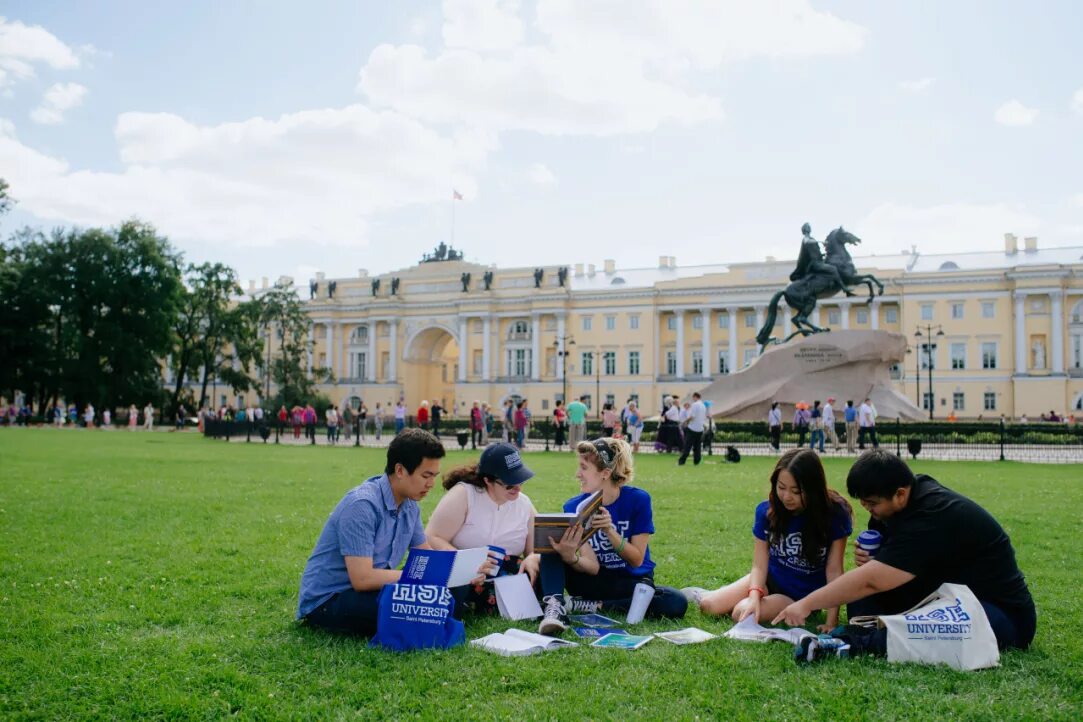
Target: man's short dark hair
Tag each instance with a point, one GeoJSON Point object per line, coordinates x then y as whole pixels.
{"type": "Point", "coordinates": [410, 447]}
{"type": "Point", "coordinates": [878, 473]}
{"type": "Point", "coordinates": [583, 398]}
{"type": "Point", "coordinates": [695, 395]}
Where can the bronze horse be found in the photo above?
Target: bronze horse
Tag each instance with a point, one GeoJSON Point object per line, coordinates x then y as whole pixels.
{"type": "Point", "coordinates": [802, 293]}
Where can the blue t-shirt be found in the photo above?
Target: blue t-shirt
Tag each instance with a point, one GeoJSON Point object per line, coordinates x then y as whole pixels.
{"type": "Point", "coordinates": [850, 414]}
{"type": "Point", "coordinates": [631, 514]}
{"type": "Point", "coordinates": [366, 523]}
{"type": "Point", "coordinates": [787, 566]}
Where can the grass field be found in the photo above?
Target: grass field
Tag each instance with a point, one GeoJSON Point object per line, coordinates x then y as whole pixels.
{"type": "Point", "coordinates": [155, 575]}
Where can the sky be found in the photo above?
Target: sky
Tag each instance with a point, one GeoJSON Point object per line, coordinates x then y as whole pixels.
{"type": "Point", "coordinates": [286, 138]}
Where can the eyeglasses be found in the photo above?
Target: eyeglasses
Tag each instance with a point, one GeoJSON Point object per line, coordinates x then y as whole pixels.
{"type": "Point", "coordinates": [512, 487]}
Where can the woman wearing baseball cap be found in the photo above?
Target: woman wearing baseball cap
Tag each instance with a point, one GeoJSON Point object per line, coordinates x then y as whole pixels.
{"type": "Point", "coordinates": [485, 506]}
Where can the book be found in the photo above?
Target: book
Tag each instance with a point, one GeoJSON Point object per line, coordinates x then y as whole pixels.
{"type": "Point", "coordinates": [519, 642]}
{"type": "Point", "coordinates": [594, 632]}
{"type": "Point", "coordinates": [594, 620]}
{"type": "Point", "coordinates": [690, 635]}
{"type": "Point", "coordinates": [622, 641]}
{"type": "Point", "coordinates": [515, 597]}
{"type": "Point", "coordinates": [749, 630]}
{"type": "Point", "coordinates": [552, 526]}
{"type": "Point", "coordinates": [443, 568]}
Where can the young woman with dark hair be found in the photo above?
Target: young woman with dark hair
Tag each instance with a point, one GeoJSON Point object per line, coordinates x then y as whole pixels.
{"type": "Point", "coordinates": [801, 533]}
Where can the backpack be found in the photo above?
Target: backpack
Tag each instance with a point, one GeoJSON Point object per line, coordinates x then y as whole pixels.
{"type": "Point", "coordinates": [733, 456]}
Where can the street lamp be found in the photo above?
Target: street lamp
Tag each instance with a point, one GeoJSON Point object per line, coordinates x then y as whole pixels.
{"type": "Point", "coordinates": [561, 345]}
{"type": "Point", "coordinates": [929, 348]}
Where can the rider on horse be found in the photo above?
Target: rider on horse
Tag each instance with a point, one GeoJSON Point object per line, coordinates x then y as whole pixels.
{"type": "Point", "coordinates": [811, 261]}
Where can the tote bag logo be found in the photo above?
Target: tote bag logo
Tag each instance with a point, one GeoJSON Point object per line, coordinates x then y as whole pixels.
{"type": "Point", "coordinates": [951, 619]}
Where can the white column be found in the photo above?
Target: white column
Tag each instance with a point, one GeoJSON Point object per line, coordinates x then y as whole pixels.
{"type": "Point", "coordinates": [875, 311]}
{"type": "Point", "coordinates": [732, 311]}
{"type": "Point", "coordinates": [1020, 333]}
{"type": "Point", "coordinates": [1057, 298]}
{"type": "Point", "coordinates": [370, 360]}
{"type": "Point", "coordinates": [330, 338]}
{"type": "Point", "coordinates": [486, 352]}
{"type": "Point", "coordinates": [680, 343]}
{"type": "Point", "coordinates": [844, 314]}
{"type": "Point", "coordinates": [706, 352]}
{"type": "Point", "coordinates": [393, 335]}
{"type": "Point", "coordinates": [560, 347]}
{"type": "Point", "coordinates": [660, 367]}
{"type": "Point", "coordinates": [464, 329]}
{"type": "Point", "coordinates": [760, 313]}
{"type": "Point", "coordinates": [535, 347]}
{"type": "Point", "coordinates": [338, 347]}
{"type": "Point", "coordinates": [311, 339]}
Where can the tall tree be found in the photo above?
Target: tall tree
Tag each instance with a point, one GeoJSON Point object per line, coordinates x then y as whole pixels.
{"type": "Point", "coordinates": [5, 200]}
{"type": "Point", "coordinates": [283, 316]}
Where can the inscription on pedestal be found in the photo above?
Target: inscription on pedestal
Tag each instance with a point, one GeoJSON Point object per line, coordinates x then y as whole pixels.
{"type": "Point", "coordinates": [821, 355]}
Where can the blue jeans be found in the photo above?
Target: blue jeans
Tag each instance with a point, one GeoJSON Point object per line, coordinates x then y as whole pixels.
{"type": "Point", "coordinates": [400, 424]}
{"type": "Point", "coordinates": [816, 434]}
{"type": "Point", "coordinates": [520, 437]}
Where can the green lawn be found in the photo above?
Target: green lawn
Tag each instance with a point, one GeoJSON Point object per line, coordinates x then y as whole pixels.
{"type": "Point", "coordinates": [155, 575]}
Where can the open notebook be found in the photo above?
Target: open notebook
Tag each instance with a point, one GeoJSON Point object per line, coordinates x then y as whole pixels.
{"type": "Point", "coordinates": [519, 642]}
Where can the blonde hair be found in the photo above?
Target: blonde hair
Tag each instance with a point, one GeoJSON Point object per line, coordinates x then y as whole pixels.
{"type": "Point", "coordinates": [621, 466]}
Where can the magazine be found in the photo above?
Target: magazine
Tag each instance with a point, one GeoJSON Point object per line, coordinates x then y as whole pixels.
{"type": "Point", "coordinates": [691, 635]}
{"type": "Point", "coordinates": [622, 641]}
{"type": "Point", "coordinates": [519, 642]}
{"type": "Point", "coordinates": [594, 632]}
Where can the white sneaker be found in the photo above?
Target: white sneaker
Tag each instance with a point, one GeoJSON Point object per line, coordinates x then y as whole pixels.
{"type": "Point", "coordinates": [555, 617]}
{"type": "Point", "coordinates": [694, 594]}
{"type": "Point", "coordinates": [577, 605]}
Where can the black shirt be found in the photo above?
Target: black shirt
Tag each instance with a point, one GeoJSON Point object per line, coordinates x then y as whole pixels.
{"type": "Point", "coordinates": [942, 536]}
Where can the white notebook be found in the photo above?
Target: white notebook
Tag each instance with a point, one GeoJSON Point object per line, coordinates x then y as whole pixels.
{"type": "Point", "coordinates": [519, 642]}
{"type": "Point", "coordinates": [515, 597]}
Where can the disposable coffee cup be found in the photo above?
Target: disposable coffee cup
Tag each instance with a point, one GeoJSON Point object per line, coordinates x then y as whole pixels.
{"type": "Point", "coordinates": [641, 599]}
{"type": "Point", "coordinates": [869, 540]}
{"type": "Point", "coordinates": [497, 553]}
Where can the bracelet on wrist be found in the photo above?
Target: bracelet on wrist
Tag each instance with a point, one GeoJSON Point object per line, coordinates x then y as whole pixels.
{"type": "Point", "coordinates": [621, 547]}
{"type": "Point", "coordinates": [761, 590]}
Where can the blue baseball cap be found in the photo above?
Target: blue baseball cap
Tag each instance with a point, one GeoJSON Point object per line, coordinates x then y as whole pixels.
{"type": "Point", "coordinates": [503, 462]}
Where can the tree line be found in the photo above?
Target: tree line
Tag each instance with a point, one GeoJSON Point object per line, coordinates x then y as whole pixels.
{"type": "Point", "coordinates": [94, 315]}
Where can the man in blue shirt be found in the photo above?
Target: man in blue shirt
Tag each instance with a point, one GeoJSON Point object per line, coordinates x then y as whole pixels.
{"type": "Point", "coordinates": [367, 536]}
{"type": "Point", "coordinates": [851, 428]}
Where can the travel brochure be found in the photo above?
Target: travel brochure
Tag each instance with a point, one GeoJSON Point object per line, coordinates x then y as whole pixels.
{"type": "Point", "coordinates": [622, 641]}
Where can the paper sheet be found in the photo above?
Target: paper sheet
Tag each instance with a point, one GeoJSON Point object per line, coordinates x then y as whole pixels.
{"type": "Point", "coordinates": [515, 597]}
{"type": "Point", "coordinates": [467, 563]}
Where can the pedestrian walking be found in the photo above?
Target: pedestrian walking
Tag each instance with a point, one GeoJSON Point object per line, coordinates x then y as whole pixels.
{"type": "Point", "coordinates": [801, 417]}
{"type": "Point", "coordinates": [774, 426]}
{"type": "Point", "coordinates": [816, 423]}
{"type": "Point", "coordinates": [694, 425]}
{"type": "Point", "coordinates": [866, 421]}
{"type": "Point", "coordinates": [148, 417]}
{"type": "Point", "coordinates": [829, 423]}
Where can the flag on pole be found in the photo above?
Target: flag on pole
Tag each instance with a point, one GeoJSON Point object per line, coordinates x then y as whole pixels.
{"type": "Point", "coordinates": [456, 195]}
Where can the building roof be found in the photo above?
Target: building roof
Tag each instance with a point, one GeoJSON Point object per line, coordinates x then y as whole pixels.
{"type": "Point", "coordinates": [996, 260]}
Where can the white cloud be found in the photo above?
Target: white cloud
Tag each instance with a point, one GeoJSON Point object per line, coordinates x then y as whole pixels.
{"type": "Point", "coordinates": [1078, 200]}
{"type": "Point", "coordinates": [540, 174]}
{"type": "Point", "coordinates": [1014, 113]}
{"type": "Point", "coordinates": [917, 86]}
{"type": "Point", "coordinates": [482, 24]}
{"type": "Point", "coordinates": [1077, 101]}
{"type": "Point", "coordinates": [56, 101]}
{"type": "Point", "coordinates": [601, 68]}
{"type": "Point", "coordinates": [313, 176]}
{"type": "Point", "coordinates": [24, 46]}
{"type": "Point", "coordinates": [948, 227]}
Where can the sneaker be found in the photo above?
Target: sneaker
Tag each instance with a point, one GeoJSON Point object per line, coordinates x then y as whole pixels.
{"type": "Point", "coordinates": [693, 594]}
{"type": "Point", "coordinates": [577, 605]}
{"type": "Point", "coordinates": [814, 649]}
{"type": "Point", "coordinates": [555, 617]}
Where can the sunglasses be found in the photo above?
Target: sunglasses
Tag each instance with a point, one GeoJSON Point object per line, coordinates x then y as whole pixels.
{"type": "Point", "coordinates": [604, 451]}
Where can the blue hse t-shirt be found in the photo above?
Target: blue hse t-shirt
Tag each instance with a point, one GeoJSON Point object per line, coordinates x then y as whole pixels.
{"type": "Point", "coordinates": [787, 566]}
{"type": "Point", "coordinates": [631, 514]}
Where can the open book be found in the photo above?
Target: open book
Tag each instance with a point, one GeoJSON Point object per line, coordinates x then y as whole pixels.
{"type": "Point", "coordinates": [553, 525]}
{"type": "Point", "coordinates": [749, 630]}
{"type": "Point", "coordinates": [519, 642]}
{"type": "Point", "coordinates": [690, 635]}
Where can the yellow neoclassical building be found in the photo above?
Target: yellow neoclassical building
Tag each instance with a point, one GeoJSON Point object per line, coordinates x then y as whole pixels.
{"type": "Point", "coordinates": [1011, 320]}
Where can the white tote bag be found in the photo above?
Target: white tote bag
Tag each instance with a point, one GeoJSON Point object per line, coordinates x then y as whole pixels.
{"type": "Point", "coordinates": [948, 627]}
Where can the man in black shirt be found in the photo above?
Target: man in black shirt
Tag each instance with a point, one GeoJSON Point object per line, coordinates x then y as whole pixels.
{"type": "Point", "coordinates": [931, 535]}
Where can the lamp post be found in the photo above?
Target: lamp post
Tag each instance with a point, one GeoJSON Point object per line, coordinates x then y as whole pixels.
{"type": "Point", "coordinates": [561, 346]}
{"type": "Point", "coordinates": [929, 348]}
{"type": "Point", "coordinates": [917, 375]}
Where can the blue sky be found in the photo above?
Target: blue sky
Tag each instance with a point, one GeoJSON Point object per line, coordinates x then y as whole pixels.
{"type": "Point", "coordinates": [285, 139]}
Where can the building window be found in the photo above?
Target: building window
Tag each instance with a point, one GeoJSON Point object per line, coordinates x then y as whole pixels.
{"type": "Point", "coordinates": [609, 359]}
{"type": "Point", "coordinates": [750, 320]}
{"type": "Point", "coordinates": [862, 316]}
{"type": "Point", "coordinates": [895, 371]}
{"type": "Point", "coordinates": [610, 323]}
{"type": "Point", "coordinates": [989, 355]}
{"type": "Point", "coordinates": [926, 312]}
{"type": "Point", "coordinates": [697, 321]}
{"type": "Point", "coordinates": [588, 401]}
{"type": "Point", "coordinates": [362, 358]}
{"type": "Point", "coordinates": [633, 363]}
{"type": "Point", "coordinates": [958, 401]}
{"type": "Point", "coordinates": [671, 363]}
{"type": "Point", "coordinates": [958, 355]}
{"type": "Point", "coordinates": [519, 327]}
{"type": "Point", "coordinates": [891, 315]}
{"type": "Point", "coordinates": [479, 361]}
{"type": "Point", "coordinates": [588, 323]}
{"type": "Point", "coordinates": [957, 310]}
{"type": "Point", "coordinates": [611, 400]}
{"type": "Point", "coordinates": [518, 361]}
{"type": "Point", "coordinates": [671, 322]}
{"type": "Point", "coordinates": [928, 360]}
{"type": "Point", "coordinates": [926, 401]}
{"type": "Point", "coordinates": [990, 401]}
{"type": "Point", "coordinates": [697, 363]}
{"type": "Point", "coordinates": [750, 356]}
{"type": "Point", "coordinates": [586, 362]}
{"type": "Point", "coordinates": [988, 309]}
{"type": "Point", "coordinates": [724, 320]}
{"type": "Point", "coordinates": [834, 317]}
{"type": "Point", "coordinates": [723, 362]}
{"type": "Point", "coordinates": [633, 322]}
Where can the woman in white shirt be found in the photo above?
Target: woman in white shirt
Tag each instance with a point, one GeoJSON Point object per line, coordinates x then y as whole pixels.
{"type": "Point", "coordinates": [485, 506]}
